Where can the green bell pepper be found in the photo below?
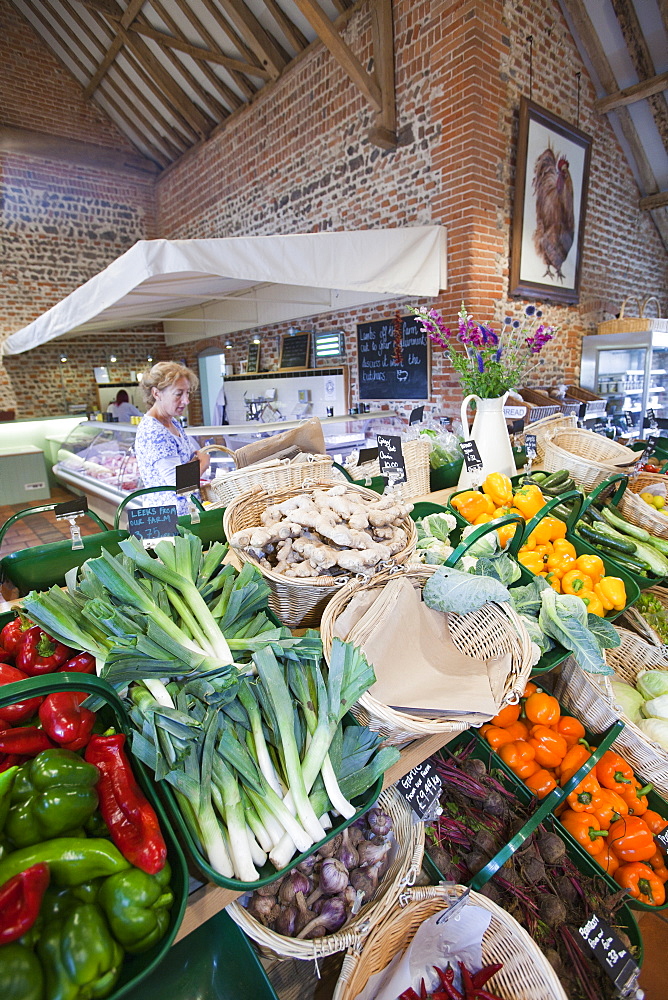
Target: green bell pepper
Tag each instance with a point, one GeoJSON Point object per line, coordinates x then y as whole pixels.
{"type": "Point", "coordinates": [137, 907]}
{"type": "Point", "coordinates": [21, 974]}
{"type": "Point", "coordinates": [53, 794]}
{"type": "Point", "coordinates": [71, 860]}
{"type": "Point", "coordinates": [57, 902]}
{"type": "Point", "coordinates": [80, 958]}
{"type": "Point", "coordinates": [7, 779]}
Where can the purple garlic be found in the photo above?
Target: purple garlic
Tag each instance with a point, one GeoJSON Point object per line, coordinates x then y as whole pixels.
{"type": "Point", "coordinates": [308, 864]}
{"type": "Point", "coordinates": [372, 851]}
{"type": "Point", "coordinates": [286, 921]}
{"type": "Point", "coordinates": [304, 915]}
{"type": "Point", "coordinates": [260, 907]}
{"type": "Point", "coordinates": [379, 822]}
{"type": "Point", "coordinates": [292, 884]}
{"type": "Point", "coordinates": [346, 853]}
{"type": "Point", "coordinates": [330, 919]}
{"type": "Point", "coordinates": [365, 880]}
{"type": "Point", "coordinates": [329, 849]}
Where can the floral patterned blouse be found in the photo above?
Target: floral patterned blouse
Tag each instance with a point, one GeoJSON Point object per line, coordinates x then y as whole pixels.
{"type": "Point", "coordinates": [158, 453]}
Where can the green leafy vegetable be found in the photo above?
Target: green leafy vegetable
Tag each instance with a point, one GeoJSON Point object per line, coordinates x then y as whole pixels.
{"type": "Point", "coordinates": [451, 590]}
{"type": "Point", "coordinates": [564, 618]}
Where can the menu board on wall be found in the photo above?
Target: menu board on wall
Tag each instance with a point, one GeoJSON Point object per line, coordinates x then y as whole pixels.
{"type": "Point", "coordinates": [295, 351]}
{"type": "Point", "coordinates": [253, 363]}
{"type": "Point", "coordinates": [392, 359]}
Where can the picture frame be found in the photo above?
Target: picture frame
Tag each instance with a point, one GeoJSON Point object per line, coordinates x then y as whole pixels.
{"type": "Point", "coordinates": [551, 184]}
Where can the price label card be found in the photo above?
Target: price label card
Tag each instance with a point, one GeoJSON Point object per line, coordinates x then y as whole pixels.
{"type": "Point", "coordinates": [417, 415]}
{"type": "Point", "coordinates": [514, 412]}
{"type": "Point", "coordinates": [663, 840]}
{"type": "Point", "coordinates": [367, 455]}
{"type": "Point", "coordinates": [71, 508]}
{"type": "Point", "coordinates": [629, 419]}
{"type": "Point", "coordinates": [610, 952]}
{"type": "Point", "coordinates": [187, 477]}
{"type": "Point", "coordinates": [472, 457]}
{"type": "Point", "coordinates": [153, 522]}
{"type": "Point", "coordinates": [599, 428]}
{"type": "Point", "coordinates": [391, 458]}
{"type": "Point", "coordinates": [421, 788]}
{"type": "Point", "coordinates": [530, 445]}
{"type": "Point", "coordinates": [650, 448]}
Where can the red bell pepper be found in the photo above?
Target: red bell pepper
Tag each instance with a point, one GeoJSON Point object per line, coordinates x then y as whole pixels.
{"type": "Point", "coordinates": [65, 720]}
{"type": "Point", "coordinates": [20, 900]}
{"type": "Point", "coordinates": [20, 710]}
{"type": "Point", "coordinates": [40, 654]}
{"type": "Point", "coordinates": [82, 663]}
{"type": "Point", "coordinates": [13, 634]}
{"type": "Point", "coordinates": [130, 817]}
{"type": "Point", "coordinates": [27, 741]}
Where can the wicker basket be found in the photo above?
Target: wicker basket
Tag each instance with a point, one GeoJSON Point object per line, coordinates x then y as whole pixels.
{"type": "Point", "coordinates": [633, 619]}
{"type": "Point", "coordinates": [590, 458]}
{"type": "Point", "coordinates": [634, 324]}
{"type": "Point", "coordinates": [416, 457]}
{"type": "Point", "coordinates": [640, 482]}
{"type": "Point", "coordinates": [298, 603]}
{"type": "Point", "coordinates": [282, 474]}
{"type": "Point", "coordinates": [643, 514]}
{"type": "Point", "coordinates": [402, 872]}
{"type": "Point", "coordinates": [549, 425]}
{"type": "Point", "coordinates": [491, 631]}
{"type": "Point", "coordinates": [590, 698]}
{"type": "Point", "coordinates": [526, 972]}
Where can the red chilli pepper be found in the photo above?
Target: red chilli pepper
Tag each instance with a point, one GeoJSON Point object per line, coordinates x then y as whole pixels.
{"type": "Point", "coordinates": [20, 900]}
{"type": "Point", "coordinates": [40, 654]}
{"type": "Point", "coordinates": [480, 978]}
{"type": "Point", "coordinates": [130, 817]}
{"type": "Point", "coordinates": [27, 741]}
{"type": "Point", "coordinates": [13, 634]}
{"type": "Point", "coordinates": [409, 994]}
{"type": "Point", "coordinates": [20, 710]}
{"type": "Point", "coordinates": [82, 663]}
{"type": "Point", "coordinates": [65, 720]}
{"type": "Point", "coordinates": [447, 982]}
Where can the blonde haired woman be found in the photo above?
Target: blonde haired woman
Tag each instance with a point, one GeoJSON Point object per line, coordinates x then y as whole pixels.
{"type": "Point", "coordinates": [161, 443]}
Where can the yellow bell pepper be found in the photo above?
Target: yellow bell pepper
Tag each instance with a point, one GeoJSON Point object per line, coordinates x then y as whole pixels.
{"type": "Point", "coordinates": [553, 581]}
{"type": "Point", "coordinates": [543, 550]}
{"type": "Point", "coordinates": [592, 565]}
{"type": "Point", "coordinates": [563, 545]}
{"type": "Point", "coordinates": [611, 592]}
{"type": "Point", "coordinates": [575, 582]}
{"type": "Point", "coordinates": [484, 519]}
{"type": "Point", "coordinates": [471, 504]}
{"type": "Point", "coordinates": [560, 563]}
{"type": "Point", "coordinates": [505, 533]}
{"type": "Point", "coordinates": [529, 500]}
{"type": "Point", "coordinates": [534, 563]}
{"type": "Point", "coordinates": [594, 605]}
{"type": "Point", "coordinates": [549, 530]}
{"type": "Point", "coordinates": [499, 488]}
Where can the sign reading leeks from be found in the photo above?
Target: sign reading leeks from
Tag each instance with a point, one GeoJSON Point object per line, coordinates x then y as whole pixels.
{"type": "Point", "coordinates": [153, 522]}
{"type": "Point", "coordinates": [392, 361]}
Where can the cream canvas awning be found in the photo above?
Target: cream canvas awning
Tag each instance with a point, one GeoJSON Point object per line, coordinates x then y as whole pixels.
{"type": "Point", "coordinates": [156, 280]}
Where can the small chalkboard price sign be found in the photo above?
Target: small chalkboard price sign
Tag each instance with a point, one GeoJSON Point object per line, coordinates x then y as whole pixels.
{"type": "Point", "coordinates": [663, 840]}
{"type": "Point", "coordinates": [295, 351]}
{"type": "Point", "coordinates": [391, 458]}
{"type": "Point", "coordinates": [650, 417]}
{"type": "Point", "coordinates": [421, 787]}
{"type": "Point", "coordinates": [253, 362]}
{"type": "Point", "coordinates": [599, 428]}
{"type": "Point", "coordinates": [610, 952]}
{"type": "Point", "coordinates": [187, 477]}
{"type": "Point", "coordinates": [417, 415]}
{"type": "Point", "coordinates": [530, 446]}
{"type": "Point", "coordinates": [367, 455]}
{"type": "Point", "coordinates": [472, 458]}
{"type": "Point", "coordinates": [629, 419]}
{"type": "Point", "coordinates": [153, 522]}
{"type": "Point", "coordinates": [71, 508]}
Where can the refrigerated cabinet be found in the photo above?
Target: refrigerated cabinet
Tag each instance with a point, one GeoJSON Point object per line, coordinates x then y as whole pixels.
{"type": "Point", "coordinates": [630, 370]}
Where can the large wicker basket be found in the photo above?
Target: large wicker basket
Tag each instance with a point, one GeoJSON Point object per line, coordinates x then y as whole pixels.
{"type": "Point", "coordinates": [298, 603]}
{"type": "Point", "coordinates": [416, 458]}
{"type": "Point", "coordinates": [634, 620]}
{"type": "Point", "coordinates": [590, 458]}
{"type": "Point", "coordinates": [590, 698]}
{"type": "Point", "coordinates": [272, 476]}
{"type": "Point", "coordinates": [641, 480]}
{"type": "Point", "coordinates": [489, 632]}
{"type": "Point", "coordinates": [643, 514]}
{"type": "Point", "coordinates": [547, 426]}
{"type": "Point", "coordinates": [402, 873]}
{"type": "Point", "coordinates": [526, 972]}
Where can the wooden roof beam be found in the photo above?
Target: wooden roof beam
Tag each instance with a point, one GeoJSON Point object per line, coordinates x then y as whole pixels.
{"type": "Point", "coordinates": [264, 46]}
{"type": "Point", "coordinates": [128, 16]}
{"type": "Point", "coordinates": [639, 91]}
{"type": "Point", "coordinates": [330, 37]}
{"type": "Point", "coordinates": [643, 63]}
{"type": "Point", "coordinates": [384, 133]}
{"type": "Point", "coordinates": [657, 200]}
{"type": "Point", "coordinates": [244, 85]}
{"type": "Point", "coordinates": [297, 39]}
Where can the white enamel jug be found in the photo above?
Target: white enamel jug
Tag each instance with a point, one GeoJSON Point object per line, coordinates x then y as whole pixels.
{"type": "Point", "coordinates": [490, 433]}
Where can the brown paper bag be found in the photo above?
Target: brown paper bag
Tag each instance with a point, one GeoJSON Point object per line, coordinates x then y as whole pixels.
{"type": "Point", "coordinates": [307, 437]}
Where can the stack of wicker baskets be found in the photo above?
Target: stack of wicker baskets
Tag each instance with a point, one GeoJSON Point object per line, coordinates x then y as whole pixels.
{"type": "Point", "coordinates": [493, 630]}
{"type": "Point", "coordinates": [403, 871]}
{"type": "Point", "coordinates": [590, 697]}
{"type": "Point", "coordinates": [416, 458]}
{"type": "Point", "coordinates": [526, 971]}
{"type": "Point", "coordinates": [298, 603]}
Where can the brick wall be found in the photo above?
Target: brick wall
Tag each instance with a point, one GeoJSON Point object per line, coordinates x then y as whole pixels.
{"type": "Point", "coordinates": [298, 160]}
{"type": "Point", "coordinates": [59, 223]}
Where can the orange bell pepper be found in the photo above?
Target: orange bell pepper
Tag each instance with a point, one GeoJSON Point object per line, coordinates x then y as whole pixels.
{"type": "Point", "coordinates": [592, 565]}
{"type": "Point", "coordinates": [631, 839]}
{"type": "Point", "coordinates": [548, 530]}
{"type": "Point", "coordinates": [519, 757]}
{"type": "Point", "coordinates": [541, 783]}
{"type": "Point", "coordinates": [483, 519]}
{"type": "Point", "coordinates": [472, 503]}
{"type": "Point", "coordinates": [586, 830]}
{"type": "Point", "coordinates": [582, 796]}
{"type": "Point", "coordinates": [613, 772]}
{"type": "Point", "coordinates": [572, 762]}
{"type": "Point", "coordinates": [635, 796]}
{"type": "Point", "coordinates": [496, 737]}
{"type": "Point", "coordinates": [607, 860]}
{"type": "Point", "coordinates": [553, 580]}
{"type": "Point", "coordinates": [550, 747]}
{"type": "Point", "coordinates": [612, 593]}
{"type": "Point", "coordinates": [571, 729]}
{"type": "Point", "coordinates": [559, 563]}
{"type": "Point", "coordinates": [655, 821]}
{"type": "Point", "coordinates": [542, 709]}
{"type": "Point", "coordinates": [642, 883]}
{"type": "Point", "coordinates": [529, 500]}
{"type": "Point", "coordinates": [575, 581]}
{"type": "Point", "coordinates": [505, 533]}
{"type": "Point", "coordinates": [658, 865]}
{"type": "Point", "coordinates": [507, 716]}
{"type": "Point", "coordinates": [499, 488]}
{"type": "Point", "coordinates": [518, 730]}
{"type": "Point", "coordinates": [608, 807]}
{"type": "Point", "coordinates": [530, 689]}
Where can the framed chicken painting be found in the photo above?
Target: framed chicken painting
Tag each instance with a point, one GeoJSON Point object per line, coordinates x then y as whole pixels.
{"type": "Point", "coordinates": [552, 176]}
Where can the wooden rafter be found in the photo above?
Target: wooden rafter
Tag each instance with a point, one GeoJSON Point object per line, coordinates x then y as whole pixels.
{"type": "Point", "coordinates": [596, 52]}
{"type": "Point", "coordinates": [239, 79]}
{"type": "Point", "coordinates": [642, 61]}
{"type": "Point", "coordinates": [658, 200]}
{"type": "Point", "coordinates": [630, 95]}
{"type": "Point", "coordinates": [297, 39]}
{"type": "Point", "coordinates": [384, 132]}
{"type": "Point", "coordinates": [127, 18]}
{"type": "Point", "coordinates": [265, 48]}
{"type": "Point", "coordinates": [330, 37]}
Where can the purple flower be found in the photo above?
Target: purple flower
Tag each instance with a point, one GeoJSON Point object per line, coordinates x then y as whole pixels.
{"type": "Point", "coordinates": [497, 356]}
{"type": "Point", "coordinates": [530, 310]}
{"type": "Point", "coordinates": [508, 320]}
{"type": "Point", "coordinates": [481, 363]}
{"type": "Point", "coordinates": [516, 324]}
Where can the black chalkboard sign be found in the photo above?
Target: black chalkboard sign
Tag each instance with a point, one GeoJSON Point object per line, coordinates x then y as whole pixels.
{"type": "Point", "coordinates": [187, 477]}
{"type": "Point", "coordinates": [610, 952]}
{"type": "Point", "coordinates": [295, 351]}
{"type": "Point", "coordinates": [662, 839]}
{"type": "Point", "coordinates": [253, 362]}
{"type": "Point", "coordinates": [421, 787]}
{"type": "Point", "coordinates": [153, 522]}
{"type": "Point", "coordinates": [391, 458]}
{"type": "Point", "coordinates": [388, 369]}
{"type": "Point", "coordinates": [417, 415]}
{"type": "Point", "coordinates": [472, 458]}
{"type": "Point", "coordinates": [530, 446]}
{"type": "Point", "coordinates": [71, 508]}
